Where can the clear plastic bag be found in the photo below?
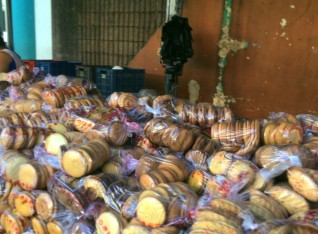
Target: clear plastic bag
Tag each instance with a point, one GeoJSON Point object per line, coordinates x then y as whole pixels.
{"type": "Point", "coordinates": [115, 133]}
{"type": "Point", "coordinates": [113, 189]}
{"type": "Point", "coordinates": [16, 77]}
{"type": "Point", "coordinates": [204, 114]}
{"type": "Point", "coordinates": [84, 159]}
{"type": "Point", "coordinates": [69, 192]}
{"type": "Point", "coordinates": [152, 170]}
{"type": "Point", "coordinates": [288, 198]}
{"type": "Point", "coordinates": [12, 118]}
{"type": "Point", "coordinates": [124, 100]}
{"type": "Point", "coordinates": [274, 160]}
{"type": "Point", "coordinates": [198, 159]}
{"type": "Point", "coordinates": [282, 128]}
{"type": "Point", "coordinates": [304, 181]}
{"type": "Point", "coordinates": [77, 102]}
{"type": "Point", "coordinates": [33, 175]}
{"type": "Point", "coordinates": [27, 105]}
{"type": "Point", "coordinates": [15, 93]}
{"type": "Point", "coordinates": [220, 215]}
{"type": "Point", "coordinates": [123, 161]}
{"type": "Point", "coordinates": [213, 185]}
{"type": "Point", "coordinates": [58, 97]}
{"type": "Point", "coordinates": [82, 227]}
{"type": "Point", "coordinates": [309, 123]}
{"type": "Point", "coordinates": [22, 137]}
{"type": "Point", "coordinates": [166, 204]}
{"type": "Point", "coordinates": [234, 168]}
{"type": "Point", "coordinates": [63, 80]}
{"type": "Point", "coordinates": [169, 133]}
{"type": "Point", "coordinates": [239, 137]}
{"type": "Point", "coordinates": [10, 162]}
{"type": "Point", "coordinates": [36, 89]}
{"type": "Point", "coordinates": [311, 142]}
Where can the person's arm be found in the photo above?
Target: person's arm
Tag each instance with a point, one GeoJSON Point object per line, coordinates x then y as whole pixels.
{"type": "Point", "coordinates": [5, 60]}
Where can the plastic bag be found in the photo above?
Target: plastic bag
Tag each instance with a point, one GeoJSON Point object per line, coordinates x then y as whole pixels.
{"type": "Point", "coordinates": [82, 227]}
{"type": "Point", "coordinates": [115, 133]}
{"type": "Point", "coordinates": [12, 118]}
{"type": "Point", "coordinates": [27, 105]}
{"type": "Point", "coordinates": [198, 159]}
{"type": "Point", "coordinates": [76, 102]}
{"type": "Point", "coordinates": [10, 162]}
{"type": "Point", "coordinates": [51, 121]}
{"type": "Point", "coordinates": [123, 161]}
{"type": "Point", "coordinates": [240, 137]}
{"type": "Point", "coordinates": [16, 77]}
{"type": "Point", "coordinates": [127, 101]}
{"type": "Point", "coordinates": [113, 189]}
{"type": "Point", "coordinates": [220, 215]}
{"type": "Point", "coordinates": [284, 194]}
{"type": "Point", "coordinates": [84, 159]}
{"type": "Point", "coordinates": [163, 106]}
{"type": "Point", "coordinates": [274, 160]}
{"type": "Point", "coordinates": [213, 185]}
{"type": "Point", "coordinates": [205, 114]}
{"type": "Point", "coordinates": [152, 170]}
{"type": "Point", "coordinates": [58, 97]}
{"type": "Point", "coordinates": [36, 89]}
{"type": "Point", "coordinates": [63, 80]}
{"type": "Point", "coordinates": [304, 181]}
{"type": "Point", "coordinates": [68, 191]}
{"type": "Point", "coordinates": [282, 128]}
{"type": "Point", "coordinates": [15, 93]}
{"type": "Point", "coordinates": [309, 123]}
{"type": "Point", "coordinates": [166, 132]}
{"type": "Point", "coordinates": [236, 169]}
{"type": "Point", "coordinates": [33, 175]}
{"type": "Point", "coordinates": [311, 142]}
{"type": "Point", "coordinates": [22, 137]}
{"type": "Point", "coordinates": [165, 204]}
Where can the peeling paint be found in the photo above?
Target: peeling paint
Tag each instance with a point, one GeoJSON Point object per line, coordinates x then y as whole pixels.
{"type": "Point", "coordinates": [245, 99]}
{"type": "Point", "coordinates": [194, 90]}
{"type": "Point", "coordinates": [292, 6]}
{"type": "Point", "coordinates": [312, 112]}
{"type": "Point", "coordinates": [248, 58]}
{"type": "Point", "coordinates": [283, 23]}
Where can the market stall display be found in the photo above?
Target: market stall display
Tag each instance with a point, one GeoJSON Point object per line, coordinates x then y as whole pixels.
{"type": "Point", "coordinates": [75, 162]}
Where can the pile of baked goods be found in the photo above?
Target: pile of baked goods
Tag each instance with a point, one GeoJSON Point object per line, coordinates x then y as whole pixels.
{"type": "Point", "coordinates": [72, 161]}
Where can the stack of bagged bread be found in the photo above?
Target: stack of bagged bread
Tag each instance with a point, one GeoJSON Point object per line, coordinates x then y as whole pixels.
{"type": "Point", "coordinates": [204, 114]}
{"type": "Point", "coordinates": [71, 162]}
{"type": "Point", "coordinates": [241, 137]}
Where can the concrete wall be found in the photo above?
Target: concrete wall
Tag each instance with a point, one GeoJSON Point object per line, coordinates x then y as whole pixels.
{"type": "Point", "coordinates": [277, 72]}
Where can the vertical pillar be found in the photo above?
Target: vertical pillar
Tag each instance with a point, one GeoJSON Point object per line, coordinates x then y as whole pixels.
{"type": "Point", "coordinates": [43, 29]}
{"type": "Point", "coordinates": [23, 28]}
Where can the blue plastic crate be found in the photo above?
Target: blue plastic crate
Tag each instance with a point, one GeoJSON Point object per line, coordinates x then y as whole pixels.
{"type": "Point", "coordinates": [70, 68]}
{"type": "Point", "coordinates": [53, 68]}
{"type": "Point", "coordinates": [128, 79]}
{"type": "Point", "coordinates": [87, 72]}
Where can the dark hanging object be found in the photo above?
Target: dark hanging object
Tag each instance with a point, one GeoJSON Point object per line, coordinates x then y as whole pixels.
{"type": "Point", "coordinates": [175, 50]}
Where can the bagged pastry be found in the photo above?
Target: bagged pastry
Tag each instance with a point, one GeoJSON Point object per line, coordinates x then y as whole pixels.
{"type": "Point", "coordinates": [240, 137]}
